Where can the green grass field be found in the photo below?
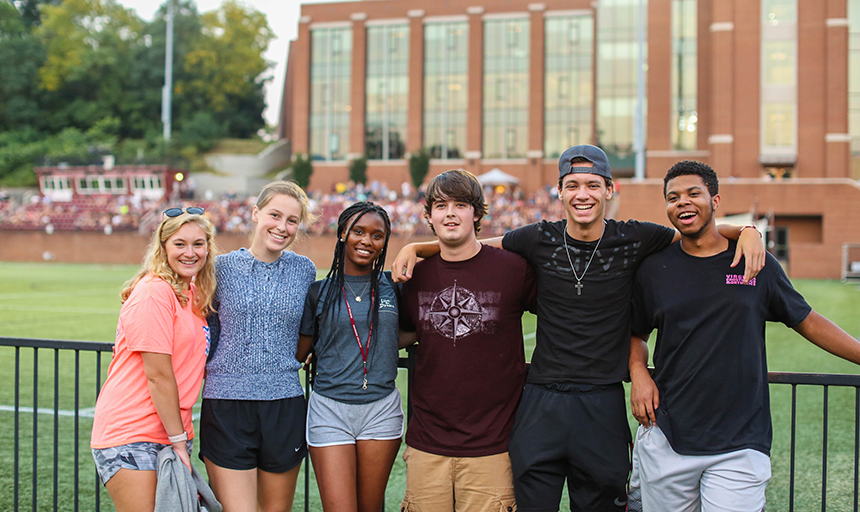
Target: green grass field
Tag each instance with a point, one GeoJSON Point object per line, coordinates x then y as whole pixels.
{"type": "Point", "coordinates": [80, 302]}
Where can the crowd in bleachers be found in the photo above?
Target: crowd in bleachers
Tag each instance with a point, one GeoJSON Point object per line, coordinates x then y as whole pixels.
{"type": "Point", "coordinates": [508, 210]}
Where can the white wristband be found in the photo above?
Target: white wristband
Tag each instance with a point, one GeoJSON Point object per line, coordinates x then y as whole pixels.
{"type": "Point", "coordinates": [178, 437]}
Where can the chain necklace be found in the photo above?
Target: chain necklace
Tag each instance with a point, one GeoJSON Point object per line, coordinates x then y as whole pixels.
{"type": "Point", "coordinates": [358, 296]}
{"type": "Point", "coordinates": [578, 284]}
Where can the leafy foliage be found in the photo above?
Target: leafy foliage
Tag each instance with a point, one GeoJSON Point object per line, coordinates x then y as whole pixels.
{"type": "Point", "coordinates": [84, 76]}
{"type": "Point", "coordinates": [358, 170]}
{"type": "Point", "coordinates": [302, 168]}
{"type": "Point", "coordinates": [419, 166]}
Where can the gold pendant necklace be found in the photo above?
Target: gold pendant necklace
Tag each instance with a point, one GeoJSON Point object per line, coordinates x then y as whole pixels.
{"type": "Point", "coordinates": [357, 296]}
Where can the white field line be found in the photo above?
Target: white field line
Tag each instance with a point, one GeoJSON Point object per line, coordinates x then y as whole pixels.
{"type": "Point", "coordinates": [89, 412]}
{"type": "Point", "coordinates": [55, 309]}
{"type": "Point", "coordinates": [48, 295]}
{"type": "Point", "coordinates": [529, 335]}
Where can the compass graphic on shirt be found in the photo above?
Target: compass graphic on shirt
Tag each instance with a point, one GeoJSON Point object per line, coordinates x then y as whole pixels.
{"type": "Point", "coordinates": [455, 312]}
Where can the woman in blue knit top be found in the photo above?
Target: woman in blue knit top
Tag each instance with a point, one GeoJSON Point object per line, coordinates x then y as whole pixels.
{"type": "Point", "coordinates": [253, 415]}
{"type": "Point", "coordinates": [355, 419]}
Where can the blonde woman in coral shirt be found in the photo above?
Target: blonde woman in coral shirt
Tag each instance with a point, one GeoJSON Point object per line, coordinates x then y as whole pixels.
{"type": "Point", "coordinates": [155, 375]}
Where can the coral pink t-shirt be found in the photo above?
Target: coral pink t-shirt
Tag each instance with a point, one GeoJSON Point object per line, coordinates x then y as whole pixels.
{"type": "Point", "coordinates": [151, 320]}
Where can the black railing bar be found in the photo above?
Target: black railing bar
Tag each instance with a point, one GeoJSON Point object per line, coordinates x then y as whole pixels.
{"type": "Point", "coordinates": [817, 379]}
{"type": "Point", "coordinates": [308, 453]}
{"type": "Point", "coordinates": [56, 425]}
{"type": "Point", "coordinates": [77, 427]}
{"type": "Point", "coordinates": [98, 480]}
{"type": "Point", "coordinates": [64, 344]}
{"type": "Point", "coordinates": [35, 423]}
{"type": "Point", "coordinates": [856, 441]}
{"type": "Point", "coordinates": [17, 413]}
{"type": "Point", "coordinates": [410, 364]}
{"type": "Point", "coordinates": [793, 447]}
{"type": "Point", "coordinates": [824, 454]}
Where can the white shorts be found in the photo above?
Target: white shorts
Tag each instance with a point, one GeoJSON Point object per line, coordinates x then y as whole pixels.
{"type": "Point", "coordinates": [728, 482]}
{"type": "Point", "coordinates": [332, 423]}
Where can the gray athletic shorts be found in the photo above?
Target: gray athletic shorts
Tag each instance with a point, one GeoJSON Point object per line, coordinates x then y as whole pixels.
{"type": "Point", "coordinates": [140, 456]}
{"type": "Point", "coordinates": [332, 423]}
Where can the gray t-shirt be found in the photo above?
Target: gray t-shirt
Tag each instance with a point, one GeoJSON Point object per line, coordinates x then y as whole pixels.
{"type": "Point", "coordinates": [340, 372]}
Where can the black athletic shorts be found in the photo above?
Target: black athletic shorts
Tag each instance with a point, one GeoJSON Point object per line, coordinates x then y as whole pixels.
{"type": "Point", "coordinates": [574, 432]}
{"type": "Point", "coordinates": [249, 434]}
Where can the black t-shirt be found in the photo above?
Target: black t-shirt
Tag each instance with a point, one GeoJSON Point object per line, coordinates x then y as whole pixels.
{"type": "Point", "coordinates": [470, 366]}
{"type": "Point", "coordinates": [584, 339]}
{"type": "Point", "coordinates": [709, 358]}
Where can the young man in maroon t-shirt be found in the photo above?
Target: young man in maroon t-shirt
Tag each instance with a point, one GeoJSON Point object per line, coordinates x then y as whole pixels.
{"type": "Point", "coordinates": [465, 305]}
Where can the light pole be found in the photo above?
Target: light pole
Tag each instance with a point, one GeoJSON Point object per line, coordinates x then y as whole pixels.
{"type": "Point", "coordinates": [639, 113]}
{"type": "Point", "coordinates": [167, 91]}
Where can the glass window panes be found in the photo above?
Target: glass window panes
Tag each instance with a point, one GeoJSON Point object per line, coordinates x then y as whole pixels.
{"type": "Point", "coordinates": [617, 60]}
{"type": "Point", "coordinates": [506, 88]}
{"type": "Point", "coordinates": [387, 92]}
{"type": "Point", "coordinates": [778, 76]}
{"type": "Point", "coordinates": [685, 116]}
{"type": "Point", "coordinates": [568, 83]}
{"type": "Point", "coordinates": [854, 84]}
{"type": "Point", "coordinates": [446, 61]}
{"type": "Point", "coordinates": [331, 69]}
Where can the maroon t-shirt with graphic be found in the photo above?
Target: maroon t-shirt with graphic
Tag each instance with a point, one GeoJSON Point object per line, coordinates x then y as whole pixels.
{"type": "Point", "coordinates": [470, 368]}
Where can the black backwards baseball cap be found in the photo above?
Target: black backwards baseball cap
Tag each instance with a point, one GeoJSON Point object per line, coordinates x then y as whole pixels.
{"type": "Point", "coordinates": [593, 154]}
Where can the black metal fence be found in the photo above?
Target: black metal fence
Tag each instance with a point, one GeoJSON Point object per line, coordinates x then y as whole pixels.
{"type": "Point", "coordinates": [75, 379]}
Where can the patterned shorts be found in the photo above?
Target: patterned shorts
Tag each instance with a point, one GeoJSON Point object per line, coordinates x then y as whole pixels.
{"type": "Point", "coordinates": [138, 456]}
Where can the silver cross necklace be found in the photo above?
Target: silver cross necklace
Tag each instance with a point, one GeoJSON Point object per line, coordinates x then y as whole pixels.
{"type": "Point", "coordinates": [578, 284]}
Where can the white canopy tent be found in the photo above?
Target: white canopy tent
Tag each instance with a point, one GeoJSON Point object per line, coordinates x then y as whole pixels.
{"type": "Point", "coordinates": [496, 177]}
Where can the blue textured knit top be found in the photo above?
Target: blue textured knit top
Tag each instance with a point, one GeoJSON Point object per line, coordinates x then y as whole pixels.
{"type": "Point", "coordinates": [260, 313]}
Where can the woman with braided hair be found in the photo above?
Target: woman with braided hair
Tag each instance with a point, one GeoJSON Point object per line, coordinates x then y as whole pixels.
{"type": "Point", "coordinates": [355, 418]}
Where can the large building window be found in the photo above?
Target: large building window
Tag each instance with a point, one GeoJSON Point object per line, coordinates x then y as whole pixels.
{"type": "Point", "coordinates": [446, 80]}
{"type": "Point", "coordinates": [506, 88]}
{"type": "Point", "coordinates": [854, 84]}
{"type": "Point", "coordinates": [685, 116]}
{"type": "Point", "coordinates": [569, 82]}
{"type": "Point", "coordinates": [387, 91]}
{"type": "Point", "coordinates": [617, 61]}
{"type": "Point", "coordinates": [779, 82]}
{"type": "Point", "coordinates": [331, 62]}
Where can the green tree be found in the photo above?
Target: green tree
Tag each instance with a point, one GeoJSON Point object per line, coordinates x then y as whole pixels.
{"type": "Point", "coordinates": [200, 132]}
{"type": "Point", "coordinates": [358, 170]}
{"type": "Point", "coordinates": [81, 34]}
{"type": "Point", "coordinates": [302, 168]}
{"type": "Point", "coordinates": [30, 10]}
{"type": "Point", "coordinates": [227, 66]}
{"type": "Point", "coordinates": [419, 166]}
{"type": "Point", "coordinates": [21, 55]}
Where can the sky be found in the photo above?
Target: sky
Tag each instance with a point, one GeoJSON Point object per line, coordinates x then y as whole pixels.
{"type": "Point", "coordinates": [283, 17]}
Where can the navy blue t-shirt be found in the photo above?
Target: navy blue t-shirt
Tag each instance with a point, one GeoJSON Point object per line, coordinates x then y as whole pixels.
{"type": "Point", "coordinates": [709, 358]}
{"type": "Point", "coordinates": [340, 368]}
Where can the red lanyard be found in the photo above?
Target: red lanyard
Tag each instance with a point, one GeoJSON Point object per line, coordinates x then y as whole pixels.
{"type": "Point", "coordinates": [364, 350]}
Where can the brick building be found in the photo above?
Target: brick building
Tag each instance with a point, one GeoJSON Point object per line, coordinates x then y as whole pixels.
{"type": "Point", "coordinates": [767, 92]}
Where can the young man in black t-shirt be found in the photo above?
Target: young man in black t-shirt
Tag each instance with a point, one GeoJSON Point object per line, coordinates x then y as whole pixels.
{"type": "Point", "coordinates": [571, 424]}
{"type": "Point", "coordinates": [706, 432]}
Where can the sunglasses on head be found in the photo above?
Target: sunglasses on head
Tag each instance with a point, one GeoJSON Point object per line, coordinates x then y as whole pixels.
{"type": "Point", "coordinates": [176, 212]}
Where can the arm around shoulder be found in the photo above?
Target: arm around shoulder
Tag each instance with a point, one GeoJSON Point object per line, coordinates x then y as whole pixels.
{"type": "Point", "coordinates": [404, 263]}
{"type": "Point", "coordinates": [407, 338]}
{"type": "Point", "coordinates": [750, 246]}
